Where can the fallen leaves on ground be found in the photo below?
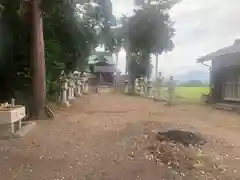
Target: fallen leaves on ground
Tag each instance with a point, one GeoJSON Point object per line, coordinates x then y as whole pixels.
{"type": "Point", "coordinates": [181, 159]}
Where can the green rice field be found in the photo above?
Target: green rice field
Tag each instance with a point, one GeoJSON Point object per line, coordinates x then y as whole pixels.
{"type": "Point", "coordinates": [188, 94]}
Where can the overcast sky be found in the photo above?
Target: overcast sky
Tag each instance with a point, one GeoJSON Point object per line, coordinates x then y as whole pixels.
{"type": "Point", "coordinates": [202, 26]}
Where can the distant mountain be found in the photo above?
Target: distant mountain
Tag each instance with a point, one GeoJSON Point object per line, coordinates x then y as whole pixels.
{"type": "Point", "coordinates": [200, 75]}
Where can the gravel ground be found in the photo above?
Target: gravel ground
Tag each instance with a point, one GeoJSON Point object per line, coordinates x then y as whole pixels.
{"type": "Point", "coordinates": [116, 137]}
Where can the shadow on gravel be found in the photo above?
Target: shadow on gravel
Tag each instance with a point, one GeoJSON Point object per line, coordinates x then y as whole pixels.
{"type": "Point", "coordinates": [183, 137]}
{"type": "Point", "coordinates": [8, 137]}
{"type": "Point", "coordinates": [107, 112]}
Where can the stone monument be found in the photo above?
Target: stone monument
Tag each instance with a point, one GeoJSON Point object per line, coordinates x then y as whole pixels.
{"type": "Point", "coordinates": [63, 90]}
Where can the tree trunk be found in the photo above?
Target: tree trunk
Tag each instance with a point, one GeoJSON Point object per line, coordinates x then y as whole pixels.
{"type": "Point", "coordinates": [130, 76]}
{"type": "Point", "coordinates": [38, 61]}
{"type": "Point", "coordinates": [156, 72]}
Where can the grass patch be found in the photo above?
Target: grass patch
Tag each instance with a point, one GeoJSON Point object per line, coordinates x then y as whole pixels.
{"type": "Point", "coordinates": [188, 94]}
{"type": "Point", "coordinates": [191, 94]}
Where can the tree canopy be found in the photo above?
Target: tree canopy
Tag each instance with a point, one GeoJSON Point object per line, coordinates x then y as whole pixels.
{"type": "Point", "coordinates": [149, 30]}
{"type": "Point", "coordinates": [72, 29]}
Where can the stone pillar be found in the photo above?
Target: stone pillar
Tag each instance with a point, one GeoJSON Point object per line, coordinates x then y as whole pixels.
{"type": "Point", "coordinates": [71, 89]}
{"type": "Point", "coordinates": [100, 79]}
{"type": "Point", "coordinates": [82, 84]}
{"type": "Point", "coordinates": [78, 88]}
{"type": "Point", "coordinates": [73, 85]}
{"type": "Point", "coordinates": [81, 87]}
{"type": "Point", "coordinates": [75, 81]}
{"type": "Point", "coordinates": [126, 86]}
{"type": "Point", "coordinates": [97, 89]}
{"type": "Point", "coordinates": [62, 80]}
{"type": "Point", "coordinates": [137, 85]}
{"type": "Point", "coordinates": [149, 88]}
{"type": "Point", "coordinates": [146, 81]}
{"type": "Point", "coordinates": [86, 85]}
{"type": "Point", "coordinates": [141, 86]}
{"type": "Point", "coordinates": [63, 94]}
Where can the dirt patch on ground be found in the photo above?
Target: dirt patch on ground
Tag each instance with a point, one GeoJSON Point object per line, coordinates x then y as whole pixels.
{"type": "Point", "coordinates": [185, 138]}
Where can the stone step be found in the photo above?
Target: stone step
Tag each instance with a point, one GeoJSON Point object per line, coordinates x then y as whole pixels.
{"type": "Point", "coordinates": [5, 130]}
{"type": "Point", "coordinates": [228, 107]}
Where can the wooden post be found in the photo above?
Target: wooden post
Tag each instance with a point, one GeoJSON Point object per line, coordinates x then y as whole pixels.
{"type": "Point", "coordinates": [38, 61]}
{"type": "Point", "coordinates": [100, 79]}
{"type": "Point", "coordinates": [128, 58]}
{"type": "Point", "coordinates": [126, 86]}
{"type": "Point", "coordinates": [117, 59]}
{"type": "Point", "coordinates": [156, 72]}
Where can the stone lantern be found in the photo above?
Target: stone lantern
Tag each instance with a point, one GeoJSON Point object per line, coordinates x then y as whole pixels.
{"type": "Point", "coordinates": [64, 89]}
{"type": "Point", "coordinates": [84, 81]}
{"type": "Point", "coordinates": [77, 90]}
{"type": "Point", "coordinates": [71, 86]}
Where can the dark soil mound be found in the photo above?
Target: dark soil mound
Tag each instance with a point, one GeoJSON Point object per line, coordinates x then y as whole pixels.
{"type": "Point", "coordinates": [183, 137]}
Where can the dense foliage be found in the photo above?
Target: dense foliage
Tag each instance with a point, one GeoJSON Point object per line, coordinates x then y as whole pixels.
{"type": "Point", "coordinates": [72, 29]}
{"type": "Point", "coordinates": [148, 31]}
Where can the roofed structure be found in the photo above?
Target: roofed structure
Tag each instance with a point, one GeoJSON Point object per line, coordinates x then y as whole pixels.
{"type": "Point", "coordinates": [100, 57]}
{"type": "Point", "coordinates": [235, 48]}
{"type": "Point", "coordinates": [225, 73]}
{"type": "Point", "coordinates": [103, 66]}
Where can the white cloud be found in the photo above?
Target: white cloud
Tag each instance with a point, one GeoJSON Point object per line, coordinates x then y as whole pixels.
{"type": "Point", "coordinates": [202, 26]}
{"type": "Point", "coordinates": [121, 7]}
